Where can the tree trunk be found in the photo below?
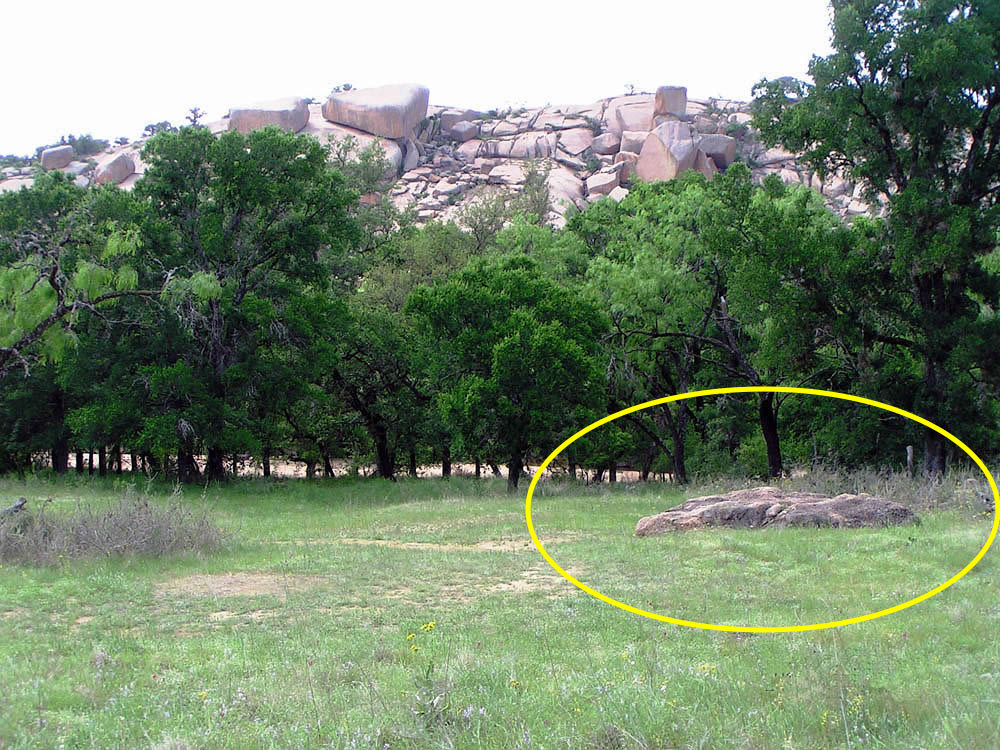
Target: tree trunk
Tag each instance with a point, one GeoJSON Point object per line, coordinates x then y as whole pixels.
{"type": "Point", "coordinates": [383, 456]}
{"type": "Point", "coordinates": [116, 453]}
{"type": "Point", "coordinates": [267, 465]}
{"type": "Point", "coordinates": [215, 466]}
{"type": "Point", "coordinates": [769, 427]}
{"type": "Point", "coordinates": [572, 467]}
{"type": "Point", "coordinates": [187, 469]}
{"type": "Point", "coordinates": [134, 462]}
{"type": "Point", "coordinates": [479, 468]}
{"type": "Point", "coordinates": [412, 460]}
{"type": "Point", "coordinates": [102, 461]}
{"type": "Point", "coordinates": [598, 475]}
{"type": "Point", "coordinates": [90, 462]}
{"type": "Point", "coordinates": [327, 466]}
{"type": "Point", "coordinates": [495, 469]}
{"type": "Point", "coordinates": [514, 468]}
{"type": "Point", "coordinates": [79, 462]}
{"type": "Point", "coordinates": [647, 462]}
{"type": "Point", "coordinates": [310, 469]}
{"type": "Point", "coordinates": [445, 460]}
{"type": "Point", "coordinates": [612, 473]}
{"type": "Point", "coordinates": [60, 456]}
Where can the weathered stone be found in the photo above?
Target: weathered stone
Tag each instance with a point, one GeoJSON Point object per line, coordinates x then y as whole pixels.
{"type": "Point", "coordinates": [506, 174]}
{"type": "Point", "coordinates": [618, 193]}
{"type": "Point", "coordinates": [8, 172]}
{"type": "Point", "coordinates": [769, 506]}
{"type": "Point", "coordinates": [57, 157]}
{"type": "Point", "coordinates": [446, 188]}
{"type": "Point", "coordinates": [76, 167]}
{"type": "Point", "coordinates": [722, 149]}
{"type": "Point", "coordinates": [449, 118]}
{"type": "Point", "coordinates": [9, 186]}
{"type": "Point", "coordinates": [114, 171]}
{"type": "Point", "coordinates": [325, 131]}
{"type": "Point", "coordinates": [774, 156]}
{"type": "Point", "coordinates": [505, 127]}
{"type": "Point", "coordinates": [565, 189]}
{"type": "Point", "coordinates": [705, 164]}
{"type": "Point", "coordinates": [670, 100]}
{"type": "Point", "coordinates": [291, 113]}
{"type": "Point", "coordinates": [602, 183]}
{"type": "Point", "coordinates": [389, 111]}
{"type": "Point", "coordinates": [632, 117]}
{"type": "Point", "coordinates": [628, 159]}
{"type": "Point", "coordinates": [81, 181]}
{"type": "Point", "coordinates": [574, 142]}
{"type": "Point", "coordinates": [533, 145]}
{"type": "Point", "coordinates": [704, 124]}
{"type": "Point", "coordinates": [470, 149]}
{"type": "Point", "coordinates": [606, 143]}
{"type": "Point", "coordinates": [740, 118]}
{"type": "Point", "coordinates": [464, 130]}
{"type": "Point", "coordinates": [411, 156]}
{"type": "Point", "coordinates": [632, 140]}
{"type": "Point", "coordinates": [835, 186]}
{"type": "Point", "coordinates": [660, 161]}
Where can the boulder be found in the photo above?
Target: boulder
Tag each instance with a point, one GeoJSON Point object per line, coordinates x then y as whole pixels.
{"type": "Point", "coordinates": [565, 189]}
{"type": "Point", "coordinates": [291, 113]}
{"type": "Point", "coordinates": [390, 111]}
{"type": "Point", "coordinates": [618, 193]}
{"type": "Point", "coordinates": [451, 117]}
{"type": "Point", "coordinates": [325, 131]}
{"type": "Point", "coordinates": [662, 161]}
{"type": "Point", "coordinates": [632, 117]}
{"type": "Point", "coordinates": [574, 142]}
{"type": "Point", "coordinates": [632, 140]}
{"type": "Point", "coordinates": [533, 145]}
{"type": "Point", "coordinates": [114, 171]}
{"type": "Point", "coordinates": [469, 150]}
{"type": "Point", "coordinates": [629, 160]}
{"type": "Point", "coordinates": [57, 157]}
{"type": "Point", "coordinates": [606, 143]}
{"type": "Point", "coordinates": [705, 164]}
{"type": "Point", "coordinates": [602, 183]}
{"type": "Point", "coordinates": [464, 130]}
{"type": "Point", "coordinates": [722, 149]}
{"type": "Point", "coordinates": [506, 174]}
{"type": "Point", "coordinates": [770, 506]}
{"type": "Point", "coordinates": [670, 100]}
{"type": "Point", "coordinates": [411, 155]}
{"type": "Point", "coordinates": [77, 168]}
{"type": "Point", "coordinates": [81, 181]}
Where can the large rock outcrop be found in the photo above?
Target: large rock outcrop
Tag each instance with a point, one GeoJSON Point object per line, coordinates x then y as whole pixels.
{"type": "Point", "coordinates": [57, 157]}
{"type": "Point", "coordinates": [389, 111]}
{"type": "Point", "coordinates": [115, 170]}
{"type": "Point", "coordinates": [770, 506]}
{"type": "Point", "coordinates": [290, 113]}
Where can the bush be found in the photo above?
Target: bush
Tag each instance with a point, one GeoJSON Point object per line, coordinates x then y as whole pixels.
{"type": "Point", "coordinates": [132, 526]}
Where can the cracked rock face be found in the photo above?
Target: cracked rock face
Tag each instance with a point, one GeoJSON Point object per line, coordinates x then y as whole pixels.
{"type": "Point", "coordinates": [769, 506]}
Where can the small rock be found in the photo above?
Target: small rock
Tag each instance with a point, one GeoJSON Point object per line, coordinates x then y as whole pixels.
{"type": "Point", "coordinates": [464, 131]}
{"type": "Point", "coordinates": [602, 183]}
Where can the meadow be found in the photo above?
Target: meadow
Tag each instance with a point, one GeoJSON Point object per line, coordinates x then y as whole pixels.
{"type": "Point", "coordinates": [418, 614]}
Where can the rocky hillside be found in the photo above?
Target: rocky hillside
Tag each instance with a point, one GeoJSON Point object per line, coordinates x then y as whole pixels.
{"type": "Point", "coordinates": [442, 155]}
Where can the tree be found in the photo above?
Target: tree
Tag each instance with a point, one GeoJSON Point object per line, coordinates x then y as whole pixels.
{"type": "Point", "coordinates": [254, 221]}
{"type": "Point", "coordinates": [521, 356]}
{"type": "Point", "coordinates": [64, 252]}
{"type": "Point", "coordinates": [908, 105]}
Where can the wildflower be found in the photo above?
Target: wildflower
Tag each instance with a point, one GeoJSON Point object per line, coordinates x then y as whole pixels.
{"type": "Point", "coordinates": [203, 694]}
{"type": "Point", "coordinates": [414, 649]}
{"type": "Point", "coordinates": [411, 636]}
{"type": "Point", "coordinates": [428, 627]}
{"type": "Point", "coordinates": [515, 684]}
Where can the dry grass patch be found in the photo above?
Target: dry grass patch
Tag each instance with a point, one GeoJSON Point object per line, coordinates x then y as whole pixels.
{"type": "Point", "coordinates": [238, 584]}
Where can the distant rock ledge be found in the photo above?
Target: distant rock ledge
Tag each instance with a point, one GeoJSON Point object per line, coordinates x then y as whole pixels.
{"type": "Point", "coordinates": [769, 506]}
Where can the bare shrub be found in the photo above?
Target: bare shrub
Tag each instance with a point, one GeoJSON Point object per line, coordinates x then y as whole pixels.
{"type": "Point", "coordinates": [131, 526]}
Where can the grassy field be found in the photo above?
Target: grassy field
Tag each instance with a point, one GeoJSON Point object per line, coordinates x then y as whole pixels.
{"type": "Point", "coordinates": [417, 614]}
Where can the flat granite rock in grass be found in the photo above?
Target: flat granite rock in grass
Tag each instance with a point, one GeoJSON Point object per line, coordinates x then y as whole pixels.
{"type": "Point", "coordinates": [769, 506]}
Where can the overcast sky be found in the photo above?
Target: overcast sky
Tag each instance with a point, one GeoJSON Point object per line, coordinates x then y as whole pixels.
{"type": "Point", "coordinates": [110, 67]}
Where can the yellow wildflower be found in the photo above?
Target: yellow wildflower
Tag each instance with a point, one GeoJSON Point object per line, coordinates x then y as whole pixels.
{"type": "Point", "coordinates": [411, 636]}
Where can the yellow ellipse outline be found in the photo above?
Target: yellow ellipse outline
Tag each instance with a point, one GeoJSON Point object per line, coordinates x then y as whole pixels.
{"type": "Point", "coordinates": [755, 628]}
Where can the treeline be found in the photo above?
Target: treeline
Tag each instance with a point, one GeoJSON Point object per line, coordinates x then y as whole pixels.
{"type": "Point", "coordinates": [251, 300]}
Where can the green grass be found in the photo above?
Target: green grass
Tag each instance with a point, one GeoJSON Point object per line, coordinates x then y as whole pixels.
{"type": "Point", "coordinates": [297, 634]}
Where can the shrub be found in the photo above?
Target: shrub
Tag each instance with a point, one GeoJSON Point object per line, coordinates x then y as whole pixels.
{"type": "Point", "coordinates": [132, 526]}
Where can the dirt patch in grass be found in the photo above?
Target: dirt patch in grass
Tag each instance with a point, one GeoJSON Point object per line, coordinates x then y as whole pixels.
{"type": "Point", "coordinates": [254, 614]}
{"type": "Point", "coordinates": [238, 584]}
{"type": "Point", "coordinates": [534, 580]}
{"type": "Point", "coordinates": [486, 545]}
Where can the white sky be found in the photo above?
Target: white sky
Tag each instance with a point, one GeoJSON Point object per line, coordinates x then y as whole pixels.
{"type": "Point", "coordinates": [109, 67]}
